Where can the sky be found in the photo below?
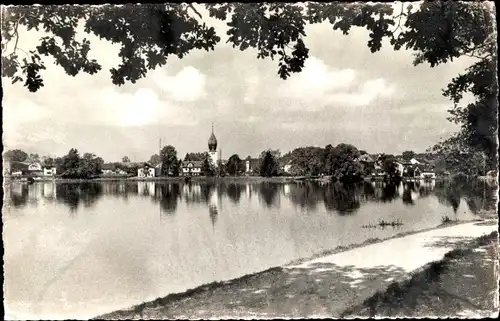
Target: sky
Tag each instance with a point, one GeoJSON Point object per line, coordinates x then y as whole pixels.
{"type": "Point", "coordinates": [378, 102]}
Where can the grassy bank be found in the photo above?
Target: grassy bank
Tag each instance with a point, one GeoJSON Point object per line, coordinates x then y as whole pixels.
{"type": "Point", "coordinates": [463, 283]}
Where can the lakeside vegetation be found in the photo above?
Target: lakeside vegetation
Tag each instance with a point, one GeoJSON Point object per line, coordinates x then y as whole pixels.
{"type": "Point", "coordinates": [343, 163]}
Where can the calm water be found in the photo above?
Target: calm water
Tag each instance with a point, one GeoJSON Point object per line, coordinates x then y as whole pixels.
{"type": "Point", "coordinates": [79, 250]}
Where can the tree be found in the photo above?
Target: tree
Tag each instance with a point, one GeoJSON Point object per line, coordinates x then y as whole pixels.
{"type": "Point", "coordinates": [307, 161]}
{"type": "Point", "coordinates": [408, 155]}
{"type": "Point", "coordinates": [34, 158]}
{"type": "Point", "coordinates": [70, 162]}
{"type": "Point", "coordinates": [155, 159]}
{"type": "Point", "coordinates": [15, 155]}
{"type": "Point", "coordinates": [74, 166]}
{"type": "Point", "coordinates": [48, 162]}
{"type": "Point", "coordinates": [195, 156]}
{"type": "Point", "coordinates": [125, 159]}
{"type": "Point", "coordinates": [389, 165]}
{"type": "Point", "coordinates": [207, 167]}
{"type": "Point", "coordinates": [221, 168]}
{"type": "Point", "coordinates": [328, 159]}
{"type": "Point", "coordinates": [169, 161]}
{"type": "Point", "coordinates": [268, 164]}
{"type": "Point", "coordinates": [345, 166]}
{"type": "Point", "coordinates": [234, 165]}
{"type": "Point", "coordinates": [437, 31]}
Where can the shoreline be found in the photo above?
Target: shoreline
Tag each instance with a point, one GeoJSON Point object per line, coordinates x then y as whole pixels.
{"type": "Point", "coordinates": [172, 297]}
{"type": "Point", "coordinates": [181, 179]}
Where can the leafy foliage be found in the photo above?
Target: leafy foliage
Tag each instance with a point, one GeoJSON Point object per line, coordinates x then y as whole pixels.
{"type": "Point", "coordinates": [207, 167]}
{"type": "Point", "coordinates": [268, 164]}
{"type": "Point", "coordinates": [408, 155]}
{"type": "Point", "coordinates": [74, 166]}
{"type": "Point", "coordinates": [437, 31]}
{"type": "Point", "coordinates": [155, 159]}
{"type": "Point", "coordinates": [15, 155]}
{"type": "Point", "coordinates": [388, 163]}
{"type": "Point", "coordinates": [195, 156]}
{"type": "Point", "coordinates": [307, 161]}
{"type": "Point", "coordinates": [235, 165]}
{"type": "Point", "coordinates": [344, 164]}
{"type": "Point", "coordinates": [169, 160]}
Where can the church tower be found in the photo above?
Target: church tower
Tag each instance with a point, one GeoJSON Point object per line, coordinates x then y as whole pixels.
{"type": "Point", "coordinates": [212, 148]}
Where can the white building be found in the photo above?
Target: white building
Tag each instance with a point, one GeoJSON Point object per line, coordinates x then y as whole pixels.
{"type": "Point", "coordinates": [34, 167]}
{"type": "Point", "coordinates": [49, 171]}
{"type": "Point", "coordinates": [146, 171]}
{"type": "Point", "coordinates": [191, 168]}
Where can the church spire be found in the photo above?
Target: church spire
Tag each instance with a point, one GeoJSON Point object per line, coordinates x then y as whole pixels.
{"type": "Point", "coordinates": [212, 141]}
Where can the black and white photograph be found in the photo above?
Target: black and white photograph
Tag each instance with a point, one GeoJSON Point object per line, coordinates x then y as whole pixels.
{"type": "Point", "coordinates": [250, 160]}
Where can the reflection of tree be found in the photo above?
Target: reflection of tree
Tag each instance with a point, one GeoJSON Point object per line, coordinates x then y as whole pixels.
{"type": "Point", "coordinates": [168, 196]}
{"type": "Point", "coordinates": [342, 198]}
{"type": "Point", "coordinates": [425, 189]}
{"type": "Point", "coordinates": [389, 192]}
{"type": "Point", "coordinates": [197, 193]}
{"type": "Point", "coordinates": [206, 191]}
{"type": "Point", "coordinates": [17, 195]}
{"type": "Point", "coordinates": [75, 194]}
{"type": "Point", "coordinates": [408, 189]}
{"type": "Point", "coordinates": [306, 195]}
{"type": "Point", "coordinates": [269, 192]}
{"type": "Point", "coordinates": [368, 192]}
{"type": "Point", "coordinates": [234, 192]}
{"type": "Point", "coordinates": [477, 194]}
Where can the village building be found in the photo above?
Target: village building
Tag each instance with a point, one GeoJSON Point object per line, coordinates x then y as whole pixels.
{"type": "Point", "coordinates": [191, 168]}
{"type": "Point", "coordinates": [146, 170]}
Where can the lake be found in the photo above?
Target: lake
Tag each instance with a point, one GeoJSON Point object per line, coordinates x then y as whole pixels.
{"type": "Point", "coordinates": [77, 250]}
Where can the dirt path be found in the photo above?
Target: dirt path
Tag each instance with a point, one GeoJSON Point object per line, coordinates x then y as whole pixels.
{"type": "Point", "coordinates": [464, 284]}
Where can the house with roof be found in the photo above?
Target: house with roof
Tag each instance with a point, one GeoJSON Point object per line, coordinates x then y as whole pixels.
{"type": "Point", "coordinates": [191, 168]}
{"type": "Point", "coordinates": [426, 172]}
{"type": "Point", "coordinates": [146, 170]}
{"type": "Point", "coordinates": [15, 168]}
{"type": "Point", "coordinates": [113, 169]}
{"type": "Point", "coordinates": [108, 169]}
{"type": "Point", "coordinates": [365, 158]}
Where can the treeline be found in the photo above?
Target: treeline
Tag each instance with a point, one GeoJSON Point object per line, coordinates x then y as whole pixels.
{"type": "Point", "coordinates": [72, 165]}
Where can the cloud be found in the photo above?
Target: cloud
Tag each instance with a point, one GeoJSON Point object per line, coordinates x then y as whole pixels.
{"type": "Point", "coordinates": [141, 108]}
{"type": "Point", "coordinates": [368, 93]}
{"type": "Point", "coordinates": [317, 79]}
{"type": "Point", "coordinates": [320, 84]}
{"type": "Point", "coordinates": [188, 85]}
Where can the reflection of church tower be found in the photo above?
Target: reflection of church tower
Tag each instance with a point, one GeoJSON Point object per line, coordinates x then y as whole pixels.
{"type": "Point", "coordinates": [212, 147]}
{"type": "Point", "coordinates": [213, 205]}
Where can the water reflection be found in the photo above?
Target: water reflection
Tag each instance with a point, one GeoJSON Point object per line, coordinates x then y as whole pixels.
{"type": "Point", "coordinates": [234, 192]}
{"type": "Point", "coordinates": [268, 193]}
{"type": "Point", "coordinates": [343, 199]}
{"type": "Point", "coordinates": [307, 196]}
{"type": "Point", "coordinates": [167, 195]}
